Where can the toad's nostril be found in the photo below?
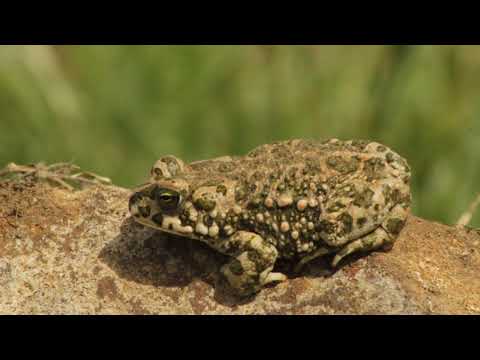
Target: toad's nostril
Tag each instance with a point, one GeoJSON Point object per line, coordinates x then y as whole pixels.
{"type": "Point", "coordinates": [144, 211]}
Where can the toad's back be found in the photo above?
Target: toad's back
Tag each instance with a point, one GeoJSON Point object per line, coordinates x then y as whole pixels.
{"type": "Point", "coordinates": [298, 193]}
{"type": "Point", "coordinates": [319, 159]}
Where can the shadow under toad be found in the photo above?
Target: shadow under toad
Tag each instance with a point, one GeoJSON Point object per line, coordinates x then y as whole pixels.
{"type": "Point", "coordinates": [159, 259]}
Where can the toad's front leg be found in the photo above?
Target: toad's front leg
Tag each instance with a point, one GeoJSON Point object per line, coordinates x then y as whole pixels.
{"type": "Point", "coordinates": [252, 263]}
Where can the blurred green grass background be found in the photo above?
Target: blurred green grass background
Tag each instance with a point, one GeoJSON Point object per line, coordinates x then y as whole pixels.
{"type": "Point", "coordinates": [115, 109]}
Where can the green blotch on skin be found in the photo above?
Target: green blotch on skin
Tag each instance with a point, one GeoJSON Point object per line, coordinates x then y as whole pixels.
{"type": "Point", "coordinates": [241, 192]}
{"type": "Point", "coordinates": [335, 207]}
{"type": "Point", "coordinates": [326, 226]}
{"type": "Point", "coordinates": [347, 221]}
{"type": "Point", "coordinates": [373, 168]}
{"type": "Point", "coordinates": [364, 199]}
{"type": "Point", "coordinates": [222, 189]}
{"type": "Point", "coordinates": [406, 200]}
{"type": "Point", "coordinates": [312, 166]}
{"type": "Point", "coordinates": [342, 165]}
{"type": "Point", "coordinates": [390, 157]}
{"type": "Point", "coordinates": [361, 221]}
{"type": "Point", "coordinates": [226, 167]}
{"type": "Point", "coordinates": [395, 225]}
{"type": "Point", "coordinates": [205, 204]}
{"type": "Point", "coordinates": [258, 260]}
{"type": "Point", "coordinates": [387, 192]}
{"type": "Point", "coordinates": [404, 163]}
{"type": "Point", "coordinates": [360, 144]}
{"type": "Point", "coordinates": [281, 151]}
{"type": "Point", "coordinates": [255, 203]}
{"type": "Point", "coordinates": [396, 196]}
{"type": "Point", "coordinates": [236, 267]}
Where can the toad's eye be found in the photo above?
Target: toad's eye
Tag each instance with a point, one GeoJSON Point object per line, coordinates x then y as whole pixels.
{"type": "Point", "coordinates": [167, 199]}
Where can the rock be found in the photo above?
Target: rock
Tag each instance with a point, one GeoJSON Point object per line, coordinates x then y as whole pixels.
{"type": "Point", "coordinates": [78, 252]}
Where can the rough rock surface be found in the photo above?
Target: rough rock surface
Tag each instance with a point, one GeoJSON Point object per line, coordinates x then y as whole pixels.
{"type": "Point", "coordinates": [78, 252]}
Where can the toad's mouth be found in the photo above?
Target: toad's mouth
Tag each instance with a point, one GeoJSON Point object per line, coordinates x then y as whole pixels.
{"type": "Point", "coordinates": [161, 222]}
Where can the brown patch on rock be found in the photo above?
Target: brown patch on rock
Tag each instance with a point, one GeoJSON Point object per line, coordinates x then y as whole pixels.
{"type": "Point", "coordinates": [137, 307]}
{"type": "Point", "coordinates": [96, 270]}
{"type": "Point", "coordinates": [295, 289]}
{"type": "Point", "coordinates": [69, 241]}
{"type": "Point", "coordinates": [173, 294]}
{"type": "Point", "coordinates": [199, 299]}
{"type": "Point", "coordinates": [352, 269]}
{"type": "Point", "coordinates": [106, 288]}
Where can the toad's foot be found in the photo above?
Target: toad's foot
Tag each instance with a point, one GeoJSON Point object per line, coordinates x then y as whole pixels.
{"type": "Point", "coordinates": [253, 262]}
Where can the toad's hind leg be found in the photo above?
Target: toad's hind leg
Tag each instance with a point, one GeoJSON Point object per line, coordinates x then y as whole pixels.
{"type": "Point", "coordinates": [318, 253]}
{"type": "Point", "coordinates": [252, 263]}
{"type": "Point", "coordinates": [382, 237]}
{"type": "Point", "coordinates": [372, 241]}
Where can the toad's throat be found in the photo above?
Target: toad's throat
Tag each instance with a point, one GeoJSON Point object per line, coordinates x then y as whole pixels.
{"type": "Point", "coordinates": [169, 224]}
{"type": "Point", "coordinates": [174, 223]}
